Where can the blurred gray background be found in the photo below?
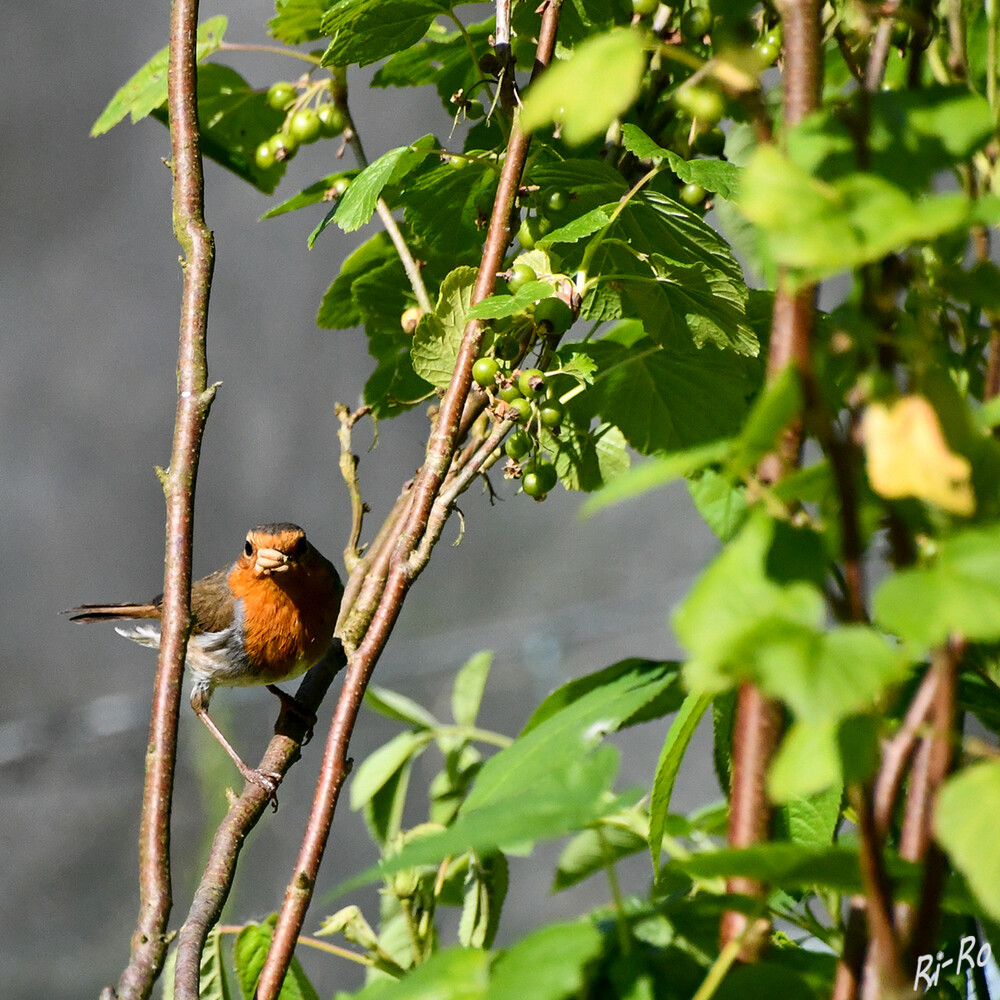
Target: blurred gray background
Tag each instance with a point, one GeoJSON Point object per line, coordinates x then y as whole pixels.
{"type": "Point", "coordinates": [89, 290]}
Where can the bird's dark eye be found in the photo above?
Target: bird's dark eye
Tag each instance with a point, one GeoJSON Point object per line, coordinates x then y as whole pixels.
{"type": "Point", "coordinates": [248, 548]}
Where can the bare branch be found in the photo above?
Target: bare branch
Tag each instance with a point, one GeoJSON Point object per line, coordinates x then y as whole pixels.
{"type": "Point", "coordinates": [194, 398]}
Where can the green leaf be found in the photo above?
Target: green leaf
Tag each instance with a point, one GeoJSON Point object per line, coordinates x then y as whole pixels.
{"type": "Point", "coordinates": [965, 825]}
{"type": "Point", "coordinates": [498, 306]}
{"type": "Point", "coordinates": [772, 411]}
{"type": "Point", "coordinates": [398, 707]}
{"type": "Point", "coordinates": [339, 309]}
{"type": "Point", "coordinates": [584, 225]}
{"type": "Point", "coordinates": [669, 398]}
{"type": "Point", "coordinates": [147, 89]}
{"type": "Point", "coordinates": [807, 762]}
{"type": "Point", "coordinates": [438, 336]}
{"type": "Point", "coordinates": [450, 974]}
{"type": "Point", "coordinates": [722, 504]}
{"type": "Point", "coordinates": [383, 813]}
{"type": "Point", "coordinates": [249, 953]}
{"type": "Point", "coordinates": [810, 820]}
{"type": "Point", "coordinates": [958, 593]}
{"type": "Point", "coordinates": [619, 680]}
{"type": "Point", "coordinates": [763, 586]}
{"type": "Point", "coordinates": [819, 228]}
{"type": "Point", "coordinates": [718, 176]}
{"type": "Point", "coordinates": [358, 202]}
{"type": "Point", "coordinates": [297, 21]}
{"type": "Point", "coordinates": [320, 192]}
{"type": "Point", "coordinates": [485, 892]}
{"type": "Point", "coordinates": [383, 763]}
{"type": "Point", "coordinates": [467, 691]}
{"type": "Point", "coordinates": [566, 797]}
{"type": "Point", "coordinates": [674, 747]}
{"type": "Point", "coordinates": [547, 965]}
{"type": "Point", "coordinates": [440, 58]}
{"type": "Point", "coordinates": [566, 93]}
{"type": "Point", "coordinates": [363, 31]}
{"type": "Point", "coordinates": [657, 472]}
{"type": "Point", "coordinates": [594, 849]}
{"type": "Point", "coordinates": [213, 982]}
{"type": "Point", "coordinates": [234, 120]}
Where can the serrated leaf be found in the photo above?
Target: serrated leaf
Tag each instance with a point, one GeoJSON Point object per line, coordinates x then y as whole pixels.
{"type": "Point", "coordinates": [363, 31]}
{"type": "Point", "coordinates": [965, 814]}
{"type": "Point", "coordinates": [467, 691]}
{"type": "Point", "coordinates": [498, 306]}
{"type": "Point", "coordinates": [807, 762]}
{"type": "Point", "coordinates": [578, 365]}
{"type": "Point", "coordinates": [810, 819]}
{"type": "Point", "coordinates": [438, 336]}
{"type": "Point", "coordinates": [723, 505]}
{"type": "Point", "coordinates": [566, 93]}
{"type": "Point", "coordinates": [584, 225]}
{"type": "Point", "coordinates": [147, 88]}
{"type": "Point", "coordinates": [249, 952]}
{"type": "Point", "coordinates": [383, 763]}
{"type": "Point", "coordinates": [357, 205]}
{"type": "Point", "coordinates": [717, 176]}
{"type": "Point", "coordinates": [675, 746]}
{"type": "Point", "coordinates": [213, 982]}
{"type": "Point", "coordinates": [319, 192]}
{"type": "Point", "coordinates": [297, 21]}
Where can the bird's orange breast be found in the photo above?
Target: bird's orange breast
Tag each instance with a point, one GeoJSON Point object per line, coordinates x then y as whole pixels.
{"type": "Point", "coordinates": [288, 620]}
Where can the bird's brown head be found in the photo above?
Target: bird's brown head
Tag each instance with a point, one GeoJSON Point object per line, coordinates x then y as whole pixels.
{"type": "Point", "coordinates": [275, 548]}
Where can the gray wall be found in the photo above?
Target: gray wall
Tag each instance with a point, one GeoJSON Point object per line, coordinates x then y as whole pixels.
{"type": "Point", "coordinates": [89, 293]}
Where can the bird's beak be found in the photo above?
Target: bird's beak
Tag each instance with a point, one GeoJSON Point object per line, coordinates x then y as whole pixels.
{"type": "Point", "coordinates": [270, 561]}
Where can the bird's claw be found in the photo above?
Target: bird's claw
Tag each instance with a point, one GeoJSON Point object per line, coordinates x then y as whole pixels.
{"type": "Point", "coordinates": [266, 780]}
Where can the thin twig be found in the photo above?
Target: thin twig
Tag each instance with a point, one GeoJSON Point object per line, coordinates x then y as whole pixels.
{"type": "Point", "coordinates": [410, 265]}
{"type": "Point", "coordinates": [194, 398]}
{"type": "Point", "coordinates": [402, 569]}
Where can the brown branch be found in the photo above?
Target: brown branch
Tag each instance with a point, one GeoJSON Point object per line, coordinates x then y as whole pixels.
{"type": "Point", "coordinates": [149, 942]}
{"type": "Point", "coordinates": [403, 569]}
{"type": "Point", "coordinates": [758, 720]}
{"type": "Point", "coordinates": [243, 815]}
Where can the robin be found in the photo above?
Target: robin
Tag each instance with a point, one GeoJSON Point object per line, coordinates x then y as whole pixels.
{"type": "Point", "coordinates": [269, 617]}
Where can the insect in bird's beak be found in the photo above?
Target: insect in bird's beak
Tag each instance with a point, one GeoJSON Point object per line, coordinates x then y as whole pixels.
{"type": "Point", "coordinates": [270, 561]}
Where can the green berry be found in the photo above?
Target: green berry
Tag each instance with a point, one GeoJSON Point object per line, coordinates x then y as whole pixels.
{"type": "Point", "coordinates": [553, 314]}
{"type": "Point", "coordinates": [645, 8]}
{"type": "Point", "coordinates": [696, 23]}
{"type": "Point", "coordinates": [518, 445]}
{"type": "Point", "coordinates": [282, 146]}
{"type": "Point", "coordinates": [264, 156]}
{"type": "Point", "coordinates": [484, 371]}
{"type": "Point", "coordinates": [539, 479]}
{"type": "Point", "coordinates": [507, 348]}
{"type": "Point", "coordinates": [766, 52]}
{"type": "Point", "coordinates": [520, 275]}
{"type": "Point", "coordinates": [525, 236]}
{"type": "Point", "coordinates": [557, 201]}
{"type": "Point", "coordinates": [775, 36]}
{"type": "Point", "coordinates": [281, 94]}
{"type": "Point", "coordinates": [518, 409]}
{"type": "Point", "coordinates": [692, 194]}
{"type": "Point", "coordinates": [457, 162]}
{"type": "Point", "coordinates": [340, 185]}
{"type": "Point", "coordinates": [702, 103]}
{"type": "Point", "coordinates": [531, 382]}
{"type": "Point", "coordinates": [509, 393]}
{"type": "Point", "coordinates": [331, 120]}
{"type": "Point", "coordinates": [304, 125]}
{"type": "Point", "coordinates": [551, 413]}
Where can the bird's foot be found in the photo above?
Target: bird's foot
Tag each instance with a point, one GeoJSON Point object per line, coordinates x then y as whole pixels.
{"type": "Point", "coordinates": [289, 703]}
{"type": "Point", "coordinates": [267, 780]}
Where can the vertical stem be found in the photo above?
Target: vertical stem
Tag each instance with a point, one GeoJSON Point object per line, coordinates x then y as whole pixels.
{"type": "Point", "coordinates": [758, 719]}
{"type": "Point", "coordinates": [194, 398]}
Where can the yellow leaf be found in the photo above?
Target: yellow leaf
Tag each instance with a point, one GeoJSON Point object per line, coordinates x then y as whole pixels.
{"type": "Point", "coordinates": [907, 456]}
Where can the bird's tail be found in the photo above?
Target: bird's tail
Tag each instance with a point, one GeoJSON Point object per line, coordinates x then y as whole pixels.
{"type": "Point", "coordinates": [112, 612]}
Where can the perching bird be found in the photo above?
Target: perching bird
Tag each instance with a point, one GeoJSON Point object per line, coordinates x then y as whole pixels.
{"type": "Point", "coordinates": [269, 617]}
